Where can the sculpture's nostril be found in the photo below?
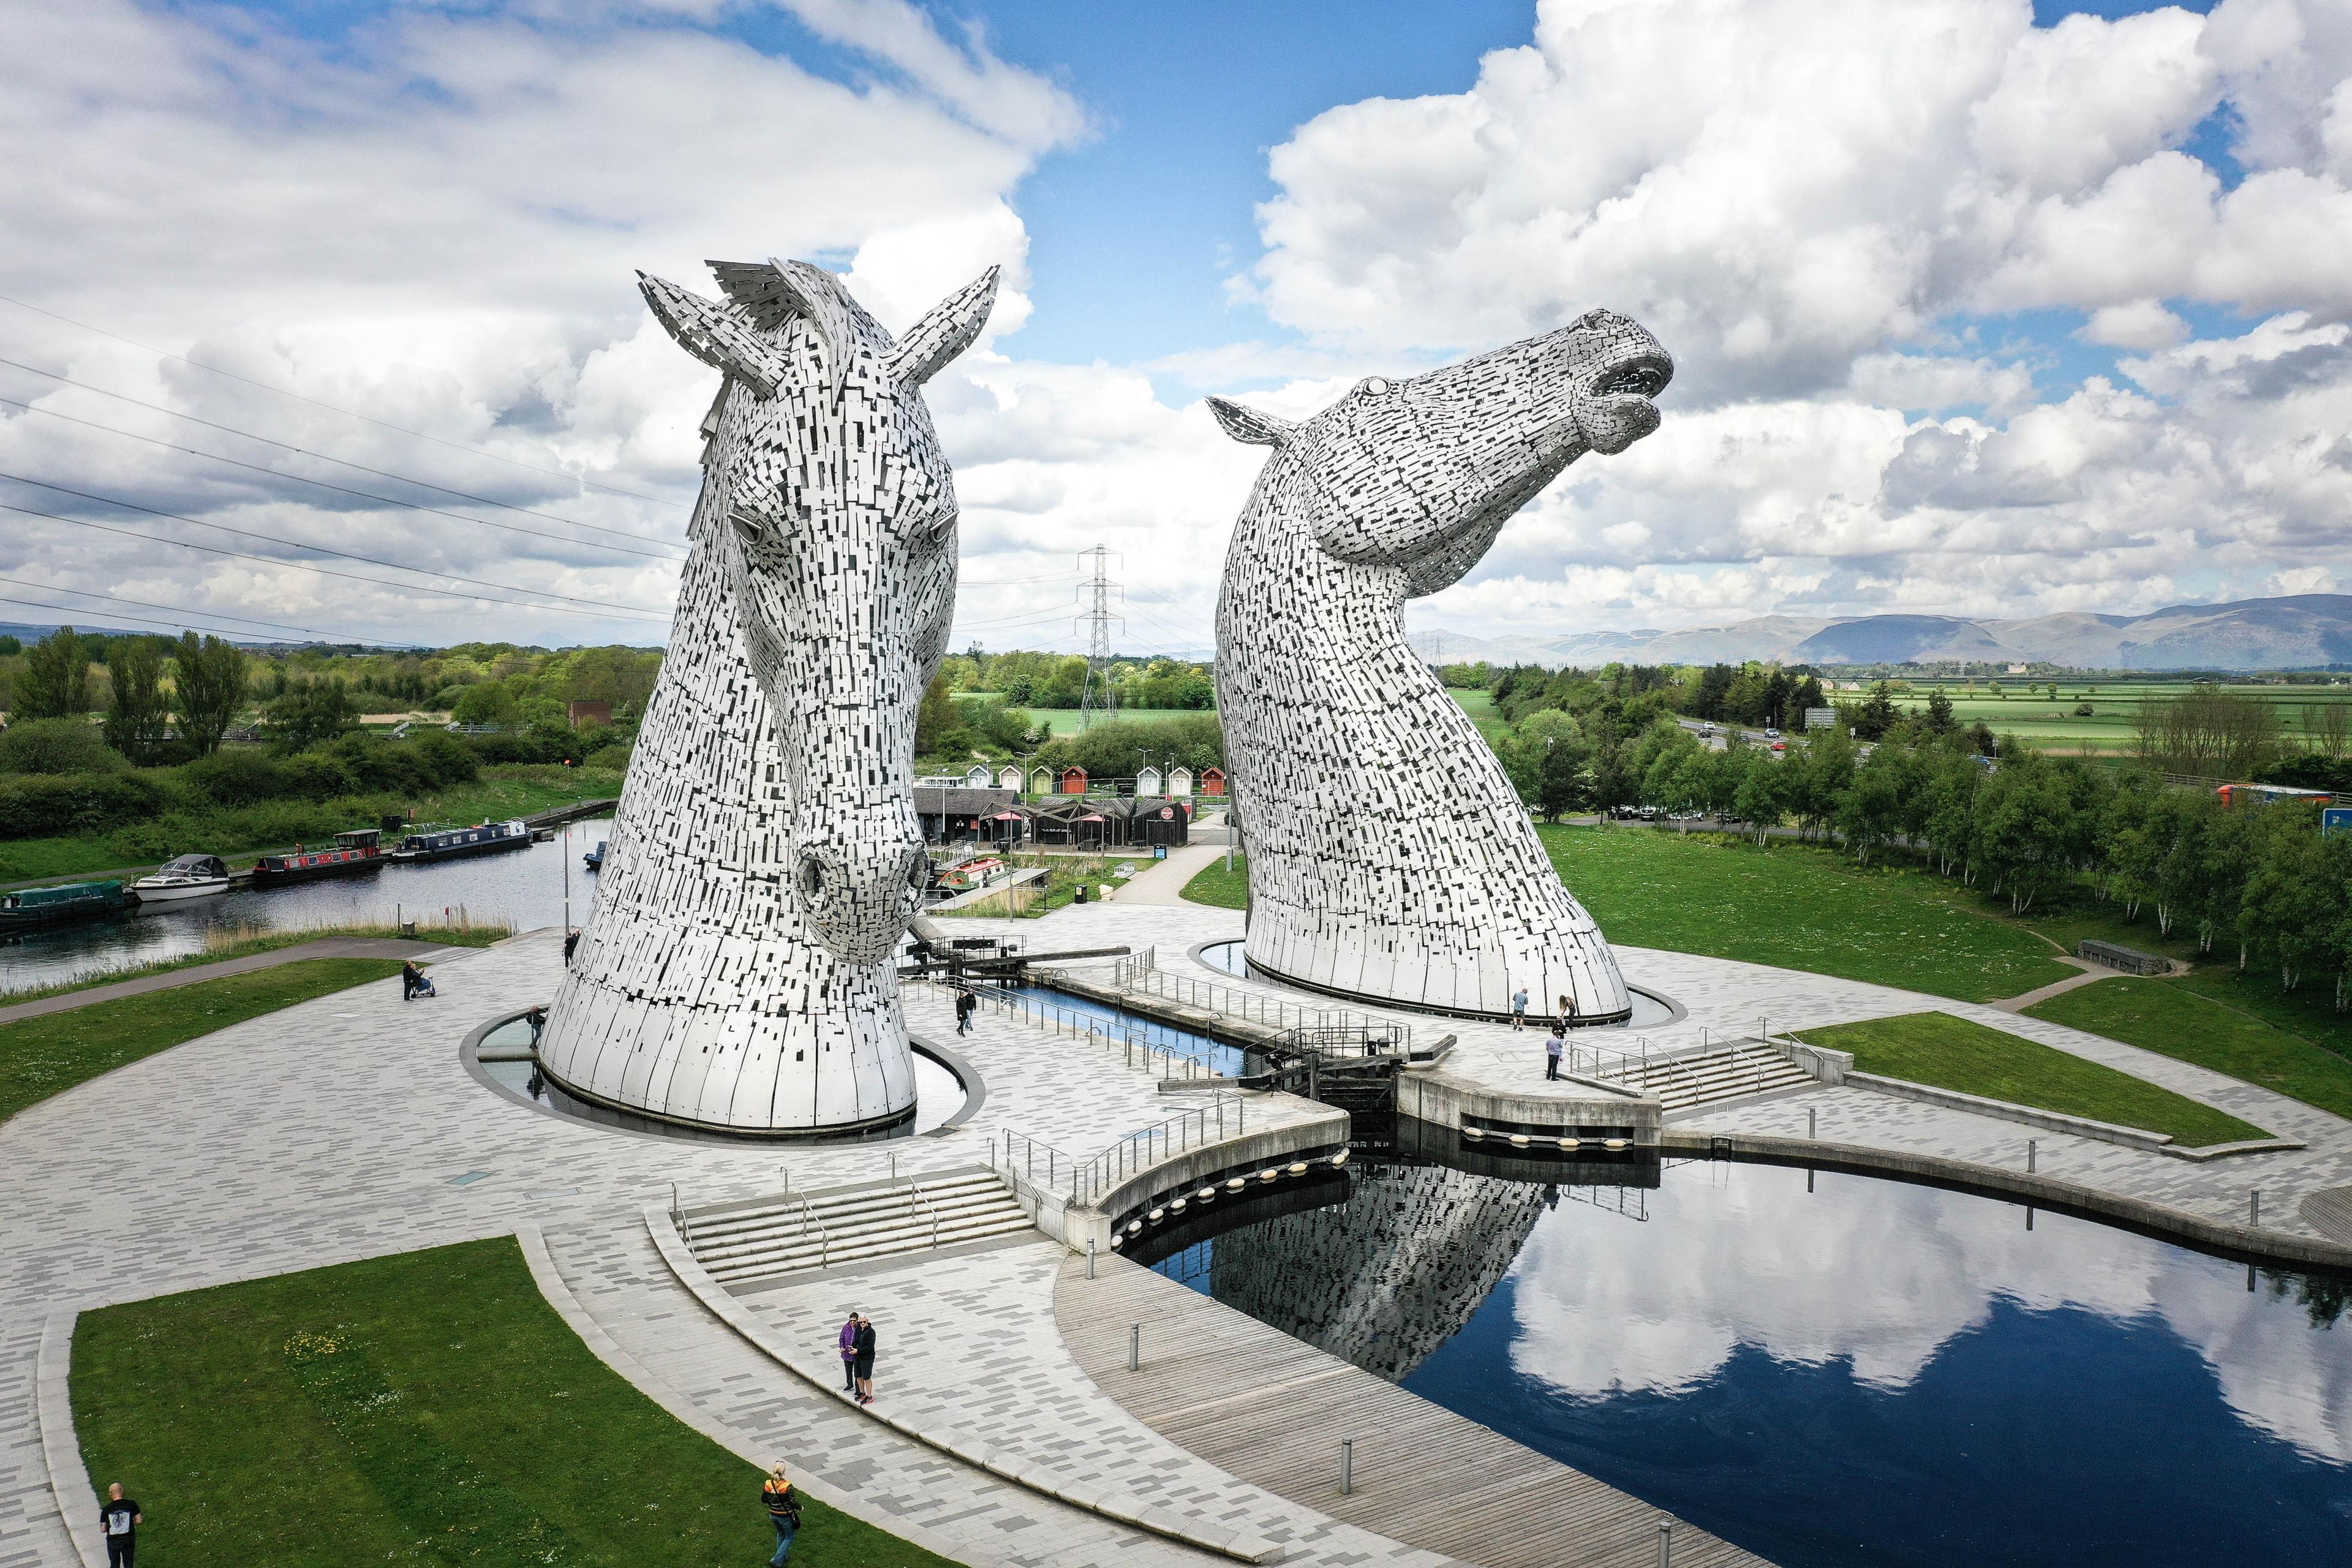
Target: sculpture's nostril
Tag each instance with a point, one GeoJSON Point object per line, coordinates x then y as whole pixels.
{"type": "Point", "coordinates": [812, 877]}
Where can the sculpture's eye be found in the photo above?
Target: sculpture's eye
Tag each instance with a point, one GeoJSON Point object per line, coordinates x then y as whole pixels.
{"type": "Point", "coordinates": [1372, 386]}
{"type": "Point", "coordinates": [749, 525]}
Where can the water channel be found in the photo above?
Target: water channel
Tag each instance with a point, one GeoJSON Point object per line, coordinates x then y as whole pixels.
{"type": "Point", "coordinates": [525, 885]}
{"type": "Point", "coordinates": [1832, 1371]}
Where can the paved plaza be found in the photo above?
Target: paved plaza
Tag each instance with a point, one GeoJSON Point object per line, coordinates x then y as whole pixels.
{"type": "Point", "coordinates": [346, 1128]}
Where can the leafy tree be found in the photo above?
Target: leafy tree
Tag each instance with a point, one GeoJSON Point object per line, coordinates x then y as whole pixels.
{"type": "Point", "coordinates": [208, 681]}
{"type": "Point", "coordinates": [307, 715]}
{"type": "Point", "coordinates": [55, 683]}
{"type": "Point", "coordinates": [1939, 721]}
{"type": "Point", "coordinates": [1877, 715]}
{"type": "Point", "coordinates": [136, 712]}
{"type": "Point", "coordinates": [10, 646]}
{"type": "Point", "coordinates": [486, 702]}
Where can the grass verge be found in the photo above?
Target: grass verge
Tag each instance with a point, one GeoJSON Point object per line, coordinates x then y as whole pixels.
{"type": "Point", "coordinates": [2163, 1017]}
{"type": "Point", "coordinates": [1797, 908]}
{"type": "Point", "coordinates": [1064, 875]}
{"type": "Point", "coordinates": [47, 1056]}
{"type": "Point", "coordinates": [1946, 1052]}
{"type": "Point", "coordinates": [1218, 887]}
{"type": "Point", "coordinates": [427, 1408]}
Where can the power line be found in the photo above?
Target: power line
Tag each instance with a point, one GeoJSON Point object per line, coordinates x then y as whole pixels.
{"type": "Point", "coordinates": [321, 456]}
{"type": "Point", "coordinates": [333, 408]}
{"type": "Point", "coordinates": [151, 605]}
{"type": "Point", "coordinates": [305, 566]}
{"type": "Point", "coordinates": [82, 615]}
{"type": "Point", "coordinates": [629, 610]}
{"type": "Point", "coordinates": [339, 489]}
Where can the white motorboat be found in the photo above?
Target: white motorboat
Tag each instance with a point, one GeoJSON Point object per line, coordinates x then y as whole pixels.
{"type": "Point", "coordinates": [186, 877]}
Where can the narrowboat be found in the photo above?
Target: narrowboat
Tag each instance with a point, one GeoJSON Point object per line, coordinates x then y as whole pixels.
{"type": "Point", "coordinates": [354, 853]}
{"type": "Point", "coordinates": [183, 877]}
{"type": "Point", "coordinates": [30, 907]}
{"type": "Point", "coordinates": [449, 843]}
{"type": "Point", "coordinates": [595, 859]}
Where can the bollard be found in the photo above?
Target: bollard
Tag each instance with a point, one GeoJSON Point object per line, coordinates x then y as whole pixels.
{"type": "Point", "coordinates": [1813, 1120]}
{"type": "Point", "coordinates": [2254, 1211]}
{"type": "Point", "coordinates": [1090, 1258]}
{"type": "Point", "coordinates": [1134, 1347]}
{"type": "Point", "coordinates": [1666, 1543]}
{"type": "Point", "coordinates": [1346, 1465]}
{"type": "Point", "coordinates": [2028, 1157]}
{"type": "Point", "coordinates": [893, 1170]}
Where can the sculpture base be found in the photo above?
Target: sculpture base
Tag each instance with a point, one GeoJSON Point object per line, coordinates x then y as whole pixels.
{"type": "Point", "coordinates": [1581, 1021]}
{"type": "Point", "coordinates": [842, 1132]}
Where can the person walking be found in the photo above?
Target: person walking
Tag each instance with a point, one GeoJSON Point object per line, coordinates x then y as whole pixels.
{"type": "Point", "coordinates": [119, 1520]}
{"type": "Point", "coordinates": [849, 1354]}
{"type": "Point", "coordinates": [784, 1513]}
{"type": "Point", "coordinates": [1553, 1047]}
{"type": "Point", "coordinates": [411, 978]}
{"type": "Point", "coordinates": [1519, 1008]}
{"type": "Point", "coordinates": [864, 1367]}
{"type": "Point", "coordinates": [967, 1004]}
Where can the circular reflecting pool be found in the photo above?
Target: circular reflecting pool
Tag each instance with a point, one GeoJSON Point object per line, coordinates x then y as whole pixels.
{"type": "Point", "coordinates": [1649, 1012]}
{"type": "Point", "coordinates": [1832, 1371]}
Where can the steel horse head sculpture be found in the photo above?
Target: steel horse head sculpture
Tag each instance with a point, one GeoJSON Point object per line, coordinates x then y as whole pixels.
{"type": "Point", "coordinates": [766, 856]}
{"type": "Point", "coordinates": [1390, 857]}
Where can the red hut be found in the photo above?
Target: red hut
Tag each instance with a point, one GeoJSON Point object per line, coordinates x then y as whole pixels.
{"type": "Point", "coordinates": [1074, 781]}
{"type": "Point", "coordinates": [1212, 781]}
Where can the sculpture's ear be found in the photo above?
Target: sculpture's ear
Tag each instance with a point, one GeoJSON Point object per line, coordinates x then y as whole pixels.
{"type": "Point", "coordinates": [1248, 425]}
{"type": "Point", "coordinates": [946, 331]}
{"type": "Point", "coordinates": [718, 335]}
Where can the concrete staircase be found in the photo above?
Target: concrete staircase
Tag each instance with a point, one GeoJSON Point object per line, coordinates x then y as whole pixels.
{"type": "Point", "coordinates": [841, 1225]}
{"type": "Point", "coordinates": [1685, 1083]}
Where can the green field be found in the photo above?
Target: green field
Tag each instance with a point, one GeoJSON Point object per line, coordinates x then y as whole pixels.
{"type": "Point", "coordinates": [1480, 706]}
{"type": "Point", "coordinates": [1065, 721]}
{"type": "Point", "coordinates": [1946, 1052]}
{"type": "Point", "coordinates": [429, 1407]}
{"type": "Point", "coordinates": [2114, 707]}
{"type": "Point", "coordinates": [1797, 908]}
{"type": "Point", "coordinates": [2165, 1016]}
{"type": "Point", "coordinates": [48, 1055]}
{"type": "Point", "coordinates": [1224, 890]}
{"type": "Point", "coordinates": [508, 790]}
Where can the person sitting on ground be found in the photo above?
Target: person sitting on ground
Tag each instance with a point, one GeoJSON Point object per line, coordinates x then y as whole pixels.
{"type": "Point", "coordinates": [784, 1513]}
{"type": "Point", "coordinates": [119, 1520]}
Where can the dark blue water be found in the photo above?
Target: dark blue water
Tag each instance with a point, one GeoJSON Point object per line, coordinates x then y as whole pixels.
{"type": "Point", "coordinates": [1120, 1025]}
{"type": "Point", "coordinates": [1868, 1373]}
{"type": "Point", "coordinates": [532, 888]}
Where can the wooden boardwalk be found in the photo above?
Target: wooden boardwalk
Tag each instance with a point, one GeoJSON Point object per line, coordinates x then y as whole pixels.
{"type": "Point", "coordinates": [1271, 1410]}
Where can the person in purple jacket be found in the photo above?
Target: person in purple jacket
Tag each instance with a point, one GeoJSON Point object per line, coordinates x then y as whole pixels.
{"type": "Point", "coordinates": [849, 1354]}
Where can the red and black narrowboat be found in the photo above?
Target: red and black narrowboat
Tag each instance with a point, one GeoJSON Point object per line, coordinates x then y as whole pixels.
{"type": "Point", "coordinates": [354, 853]}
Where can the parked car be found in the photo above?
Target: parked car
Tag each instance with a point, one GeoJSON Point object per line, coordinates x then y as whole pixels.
{"type": "Point", "coordinates": [1770, 733]}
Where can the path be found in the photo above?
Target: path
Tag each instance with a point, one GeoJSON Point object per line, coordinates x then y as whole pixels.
{"type": "Point", "coordinates": [2041, 994]}
{"type": "Point", "coordinates": [1162, 881]}
{"type": "Point", "coordinates": [325, 947]}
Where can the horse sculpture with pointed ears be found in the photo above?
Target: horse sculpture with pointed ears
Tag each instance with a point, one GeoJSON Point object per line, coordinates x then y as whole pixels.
{"type": "Point", "coordinates": [737, 970]}
{"type": "Point", "coordinates": [1388, 855]}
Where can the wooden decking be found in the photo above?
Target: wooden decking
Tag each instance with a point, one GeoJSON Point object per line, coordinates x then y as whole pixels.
{"type": "Point", "coordinates": [1272, 1410]}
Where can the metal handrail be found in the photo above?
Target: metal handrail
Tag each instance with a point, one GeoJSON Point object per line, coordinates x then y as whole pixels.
{"type": "Point", "coordinates": [1232, 1001]}
{"type": "Point", "coordinates": [823, 1236]}
{"type": "Point", "coordinates": [1133, 1151]}
{"type": "Point", "coordinates": [914, 1191]}
{"type": "Point", "coordinates": [1080, 1024]}
{"type": "Point", "coordinates": [1030, 1149]}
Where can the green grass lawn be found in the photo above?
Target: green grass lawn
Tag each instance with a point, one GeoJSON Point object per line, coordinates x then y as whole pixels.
{"type": "Point", "coordinates": [1798, 908]}
{"type": "Point", "coordinates": [424, 1408]}
{"type": "Point", "coordinates": [2163, 1015]}
{"type": "Point", "coordinates": [513, 790]}
{"type": "Point", "coordinates": [1225, 890]}
{"type": "Point", "coordinates": [1946, 1052]}
{"type": "Point", "coordinates": [1480, 706]}
{"type": "Point", "coordinates": [46, 1055]}
{"type": "Point", "coordinates": [1065, 721]}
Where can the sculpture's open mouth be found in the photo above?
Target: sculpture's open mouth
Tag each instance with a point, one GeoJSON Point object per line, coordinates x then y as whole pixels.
{"type": "Point", "coordinates": [1642, 376]}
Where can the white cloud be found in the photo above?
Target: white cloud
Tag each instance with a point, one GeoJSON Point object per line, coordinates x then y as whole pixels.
{"type": "Point", "coordinates": [2141, 324]}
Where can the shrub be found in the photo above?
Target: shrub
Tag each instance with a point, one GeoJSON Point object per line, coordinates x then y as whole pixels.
{"type": "Point", "coordinates": [237, 775]}
{"type": "Point", "coordinates": [615, 756]}
{"type": "Point", "coordinates": [317, 775]}
{"type": "Point", "coordinates": [57, 746]}
{"type": "Point", "coordinates": [46, 806]}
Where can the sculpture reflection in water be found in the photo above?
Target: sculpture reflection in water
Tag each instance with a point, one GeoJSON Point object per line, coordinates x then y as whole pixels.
{"type": "Point", "coordinates": [1383, 1261]}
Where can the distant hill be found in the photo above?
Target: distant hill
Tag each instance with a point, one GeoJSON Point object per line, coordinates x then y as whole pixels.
{"type": "Point", "coordinates": [2297, 632]}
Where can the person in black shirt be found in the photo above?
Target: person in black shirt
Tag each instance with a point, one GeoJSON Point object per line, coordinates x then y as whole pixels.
{"type": "Point", "coordinates": [119, 1520]}
{"type": "Point", "coordinates": [865, 1356]}
{"type": "Point", "coordinates": [966, 1005]}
